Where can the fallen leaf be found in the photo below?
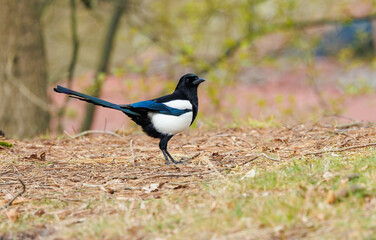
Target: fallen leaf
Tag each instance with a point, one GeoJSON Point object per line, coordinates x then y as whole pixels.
{"type": "Point", "coordinates": [110, 190]}
{"type": "Point", "coordinates": [364, 168]}
{"type": "Point", "coordinates": [327, 176]}
{"type": "Point", "coordinates": [152, 187]}
{"type": "Point", "coordinates": [42, 156]}
{"type": "Point", "coordinates": [12, 214]}
{"type": "Point", "coordinates": [249, 174]}
{"type": "Point", "coordinates": [39, 212]}
{"type": "Point", "coordinates": [331, 198]}
{"type": "Point", "coordinates": [213, 206]}
{"type": "Point", "coordinates": [32, 156]}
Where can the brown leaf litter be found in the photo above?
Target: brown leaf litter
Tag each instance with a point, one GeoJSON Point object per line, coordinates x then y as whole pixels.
{"type": "Point", "coordinates": [132, 167]}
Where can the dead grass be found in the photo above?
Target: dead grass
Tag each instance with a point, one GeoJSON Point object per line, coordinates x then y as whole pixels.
{"type": "Point", "coordinates": [94, 187]}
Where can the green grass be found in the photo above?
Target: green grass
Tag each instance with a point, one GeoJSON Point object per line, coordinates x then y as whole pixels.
{"type": "Point", "coordinates": [287, 200]}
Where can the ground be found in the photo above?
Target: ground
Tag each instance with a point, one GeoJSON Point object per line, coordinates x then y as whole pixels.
{"type": "Point", "coordinates": [283, 182]}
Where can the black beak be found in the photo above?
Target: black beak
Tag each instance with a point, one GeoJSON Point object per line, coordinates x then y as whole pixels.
{"type": "Point", "coordinates": [198, 81]}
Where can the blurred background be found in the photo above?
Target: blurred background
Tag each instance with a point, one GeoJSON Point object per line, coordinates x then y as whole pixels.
{"type": "Point", "coordinates": [267, 62]}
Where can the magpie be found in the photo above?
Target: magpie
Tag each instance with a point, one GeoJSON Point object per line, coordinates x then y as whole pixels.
{"type": "Point", "coordinates": [161, 117]}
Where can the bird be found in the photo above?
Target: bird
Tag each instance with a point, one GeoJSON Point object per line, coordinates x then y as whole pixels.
{"type": "Point", "coordinates": [161, 117]}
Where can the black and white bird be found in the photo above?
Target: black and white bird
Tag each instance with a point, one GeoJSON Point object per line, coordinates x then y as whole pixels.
{"type": "Point", "coordinates": [161, 117]}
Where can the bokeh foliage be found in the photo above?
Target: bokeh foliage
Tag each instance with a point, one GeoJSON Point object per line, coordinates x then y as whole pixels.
{"type": "Point", "coordinates": [226, 41]}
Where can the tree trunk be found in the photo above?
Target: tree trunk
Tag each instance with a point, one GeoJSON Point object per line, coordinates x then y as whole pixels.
{"type": "Point", "coordinates": [23, 76]}
{"type": "Point", "coordinates": [104, 60]}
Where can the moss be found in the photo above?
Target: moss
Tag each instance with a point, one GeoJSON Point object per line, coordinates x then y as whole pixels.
{"type": "Point", "coordinates": [6, 144]}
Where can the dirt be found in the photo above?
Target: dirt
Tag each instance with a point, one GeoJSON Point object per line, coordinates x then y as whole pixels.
{"type": "Point", "coordinates": [75, 170]}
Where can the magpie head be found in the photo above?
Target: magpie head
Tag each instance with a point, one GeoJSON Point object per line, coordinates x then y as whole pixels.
{"type": "Point", "coordinates": [189, 82]}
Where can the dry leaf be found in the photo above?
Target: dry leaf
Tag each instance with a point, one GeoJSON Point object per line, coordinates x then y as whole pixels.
{"type": "Point", "coordinates": [39, 212]}
{"type": "Point", "coordinates": [364, 168]}
{"type": "Point", "coordinates": [42, 156]}
{"type": "Point", "coordinates": [327, 176]}
{"type": "Point", "coordinates": [12, 214]}
{"type": "Point", "coordinates": [213, 206]}
{"type": "Point", "coordinates": [32, 156]}
{"type": "Point", "coordinates": [152, 187]}
{"type": "Point", "coordinates": [250, 174]}
{"type": "Point", "coordinates": [110, 190]}
{"type": "Point", "coordinates": [331, 198]}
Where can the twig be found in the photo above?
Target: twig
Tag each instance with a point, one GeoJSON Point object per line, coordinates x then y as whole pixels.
{"type": "Point", "coordinates": [345, 126]}
{"type": "Point", "coordinates": [341, 116]}
{"type": "Point", "coordinates": [96, 132]}
{"type": "Point", "coordinates": [17, 195]}
{"type": "Point", "coordinates": [177, 174]}
{"type": "Point", "coordinates": [350, 125]}
{"type": "Point", "coordinates": [94, 186]}
{"type": "Point", "coordinates": [340, 149]}
{"type": "Point", "coordinates": [207, 160]}
{"type": "Point", "coordinates": [194, 156]}
{"type": "Point", "coordinates": [248, 161]}
{"type": "Point", "coordinates": [131, 147]}
{"type": "Point", "coordinates": [68, 134]}
{"type": "Point", "coordinates": [8, 183]}
{"type": "Point", "coordinates": [5, 172]}
{"type": "Point", "coordinates": [274, 159]}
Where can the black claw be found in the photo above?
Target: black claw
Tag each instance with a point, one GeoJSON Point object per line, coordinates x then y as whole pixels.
{"type": "Point", "coordinates": [166, 157]}
{"type": "Point", "coordinates": [182, 160]}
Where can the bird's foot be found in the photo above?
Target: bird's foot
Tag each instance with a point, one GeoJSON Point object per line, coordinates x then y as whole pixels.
{"type": "Point", "coordinates": [184, 159]}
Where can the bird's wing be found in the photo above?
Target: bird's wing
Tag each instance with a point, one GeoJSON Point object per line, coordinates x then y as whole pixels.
{"type": "Point", "coordinates": [152, 106]}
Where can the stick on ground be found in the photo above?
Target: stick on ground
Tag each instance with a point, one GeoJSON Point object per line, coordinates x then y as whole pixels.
{"type": "Point", "coordinates": [17, 195]}
{"type": "Point", "coordinates": [340, 149]}
{"type": "Point", "coordinates": [96, 132]}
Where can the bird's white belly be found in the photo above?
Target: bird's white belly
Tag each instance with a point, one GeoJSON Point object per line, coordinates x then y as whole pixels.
{"type": "Point", "coordinates": [169, 124]}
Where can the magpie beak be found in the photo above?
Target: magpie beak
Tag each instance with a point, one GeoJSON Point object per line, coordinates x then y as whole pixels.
{"type": "Point", "coordinates": [198, 81]}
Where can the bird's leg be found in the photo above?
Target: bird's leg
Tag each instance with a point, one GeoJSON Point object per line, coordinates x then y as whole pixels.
{"type": "Point", "coordinates": [163, 146]}
{"type": "Point", "coordinates": [166, 157]}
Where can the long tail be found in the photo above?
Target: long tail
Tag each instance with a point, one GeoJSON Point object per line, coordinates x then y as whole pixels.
{"type": "Point", "coordinates": [92, 100]}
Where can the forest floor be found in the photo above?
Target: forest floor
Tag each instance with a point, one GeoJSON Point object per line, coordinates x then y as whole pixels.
{"type": "Point", "coordinates": [289, 182]}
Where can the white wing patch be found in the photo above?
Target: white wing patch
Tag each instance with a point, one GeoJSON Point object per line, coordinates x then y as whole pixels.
{"type": "Point", "coordinates": [179, 104]}
{"type": "Point", "coordinates": [169, 124]}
